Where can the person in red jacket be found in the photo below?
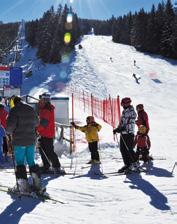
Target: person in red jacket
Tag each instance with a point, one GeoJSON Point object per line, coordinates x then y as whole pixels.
{"type": "Point", "coordinates": [142, 117]}
{"type": "Point", "coordinates": [143, 144]}
{"type": "Point", "coordinates": [3, 118]}
{"type": "Point", "coordinates": [46, 131]}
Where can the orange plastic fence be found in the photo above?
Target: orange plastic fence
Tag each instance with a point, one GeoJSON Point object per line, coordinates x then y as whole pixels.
{"type": "Point", "coordinates": [106, 109]}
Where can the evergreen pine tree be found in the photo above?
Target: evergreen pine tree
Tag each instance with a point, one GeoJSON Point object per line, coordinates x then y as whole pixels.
{"type": "Point", "coordinates": [166, 46]}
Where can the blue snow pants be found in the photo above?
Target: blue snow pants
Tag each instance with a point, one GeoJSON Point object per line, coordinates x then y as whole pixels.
{"type": "Point", "coordinates": [24, 154]}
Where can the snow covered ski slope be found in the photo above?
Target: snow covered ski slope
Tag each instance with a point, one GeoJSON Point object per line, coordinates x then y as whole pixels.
{"type": "Point", "coordinates": [148, 198]}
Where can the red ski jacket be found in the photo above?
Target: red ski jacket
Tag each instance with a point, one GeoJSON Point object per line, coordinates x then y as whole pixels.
{"type": "Point", "coordinates": [142, 141]}
{"type": "Point", "coordinates": [46, 126]}
{"type": "Point", "coordinates": [3, 117]}
{"type": "Point", "coordinates": [143, 120]}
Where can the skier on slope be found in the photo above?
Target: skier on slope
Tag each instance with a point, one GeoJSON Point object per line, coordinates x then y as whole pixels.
{"type": "Point", "coordinates": [91, 130]}
{"type": "Point", "coordinates": [142, 144]}
{"type": "Point", "coordinates": [126, 129]}
{"type": "Point", "coordinates": [21, 124]}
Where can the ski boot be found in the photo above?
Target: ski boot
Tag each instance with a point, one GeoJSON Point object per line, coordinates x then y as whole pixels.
{"type": "Point", "coordinates": [59, 171]}
{"type": "Point", "coordinates": [122, 170]}
{"type": "Point", "coordinates": [36, 180]}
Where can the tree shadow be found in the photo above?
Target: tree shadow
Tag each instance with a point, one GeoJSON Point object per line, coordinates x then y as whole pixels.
{"type": "Point", "coordinates": [165, 59]}
{"type": "Point", "coordinates": [54, 77]}
{"type": "Point", "coordinates": [158, 200]}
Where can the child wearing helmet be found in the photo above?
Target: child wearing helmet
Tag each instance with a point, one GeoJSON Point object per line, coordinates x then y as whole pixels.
{"type": "Point", "coordinates": [91, 130]}
{"type": "Point", "coordinates": [143, 144]}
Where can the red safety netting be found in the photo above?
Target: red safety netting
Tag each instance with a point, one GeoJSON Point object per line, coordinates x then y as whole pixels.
{"type": "Point", "coordinates": [106, 109]}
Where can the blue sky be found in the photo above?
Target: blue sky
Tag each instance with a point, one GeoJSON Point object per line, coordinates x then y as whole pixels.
{"type": "Point", "coordinates": [15, 10]}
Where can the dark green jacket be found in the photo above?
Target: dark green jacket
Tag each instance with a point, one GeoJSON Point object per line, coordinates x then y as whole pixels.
{"type": "Point", "coordinates": [21, 124]}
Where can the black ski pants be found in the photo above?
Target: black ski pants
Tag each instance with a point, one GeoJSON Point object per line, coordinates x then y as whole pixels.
{"type": "Point", "coordinates": [93, 147]}
{"type": "Point", "coordinates": [143, 152]}
{"type": "Point", "coordinates": [5, 145]}
{"type": "Point", "coordinates": [126, 149]}
{"type": "Point", "coordinates": [48, 155]}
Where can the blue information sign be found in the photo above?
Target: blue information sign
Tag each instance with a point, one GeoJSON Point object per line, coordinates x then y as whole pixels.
{"type": "Point", "coordinates": [16, 76]}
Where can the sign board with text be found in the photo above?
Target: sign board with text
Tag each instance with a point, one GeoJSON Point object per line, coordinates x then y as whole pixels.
{"type": "Point", "coordinates": [4, 76]}
{"type": "Point", "coordinates": [10, 91]}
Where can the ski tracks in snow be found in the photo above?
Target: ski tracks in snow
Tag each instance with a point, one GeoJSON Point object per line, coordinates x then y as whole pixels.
{"type": "Point", "coordinates": [84, 77]}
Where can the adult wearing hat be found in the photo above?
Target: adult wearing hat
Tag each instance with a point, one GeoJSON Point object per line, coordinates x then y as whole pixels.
{"type": "Point", "coordinates": [126, 128]}
{"type": "Point", "coordinates": [46, 131]}
{"type": "Point", "coordinates": [21, 124]}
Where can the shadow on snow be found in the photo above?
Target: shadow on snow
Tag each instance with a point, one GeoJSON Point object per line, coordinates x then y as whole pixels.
{"type": "Point", "coordinates": [93, 173]}
{"type": "Point", "coordinates": [21, 206]}
{"type": "Point", "coordinates": [158, 200]}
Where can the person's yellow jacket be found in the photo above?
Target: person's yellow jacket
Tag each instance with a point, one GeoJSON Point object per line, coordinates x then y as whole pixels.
{"type": "Point", "coordinates": [11, 103]}
{"type": "Point", "coordinates": [91, 131]}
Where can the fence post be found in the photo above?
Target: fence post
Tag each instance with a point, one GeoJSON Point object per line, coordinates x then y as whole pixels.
{"type": "Point", "coordinates": [118, 107]}
{"type": "Point", "coordinates": [92, 104]}
{"type": "Point", "coordinates": [72, 142]}
{"type": "Point", "coordinates": [84, 100]}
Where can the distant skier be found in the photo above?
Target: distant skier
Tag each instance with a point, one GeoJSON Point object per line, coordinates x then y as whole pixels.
{"type": "Point", "coordinates": [91, 130]}
{"type": "Point", "coordinates": [126, 128]}
{"type": "Point", "coordinates": [136, 78]}
{"type": "Point", "coordinates": [134, 62]}
{"type": "Point", "coordinates": [143, 144]}
{"type": "Point", "coordinates": [111, 59]}
{"type": "Point", "coordinates": [80, 46]}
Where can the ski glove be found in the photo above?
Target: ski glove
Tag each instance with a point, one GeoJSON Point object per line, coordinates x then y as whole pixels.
{"type": "Point", "coordinates": [118, 130]}
{"type": "Point", "coordinates": [73, 124]}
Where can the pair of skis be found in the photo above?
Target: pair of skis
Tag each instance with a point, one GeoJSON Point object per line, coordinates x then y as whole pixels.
{"type": "Point", "coordinates": [42, 196]}
{"type": "Point", "coordinates": [126, 172]}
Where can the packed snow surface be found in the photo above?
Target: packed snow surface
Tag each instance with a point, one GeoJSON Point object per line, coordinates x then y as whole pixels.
{"type": "Point", "coordinates": [102, 67]}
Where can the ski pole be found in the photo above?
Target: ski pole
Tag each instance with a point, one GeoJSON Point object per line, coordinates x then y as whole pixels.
{"type": "Point", "coordinates": [118, 144]}
{"type": "Point", "coordinates": [102, 170]}
{"type": "Point", "coordinates": [173, 168]}
{"type": "Point", "coordinates": [76, 163]}
{"type": "Point", "coordinates": [46, 157]}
